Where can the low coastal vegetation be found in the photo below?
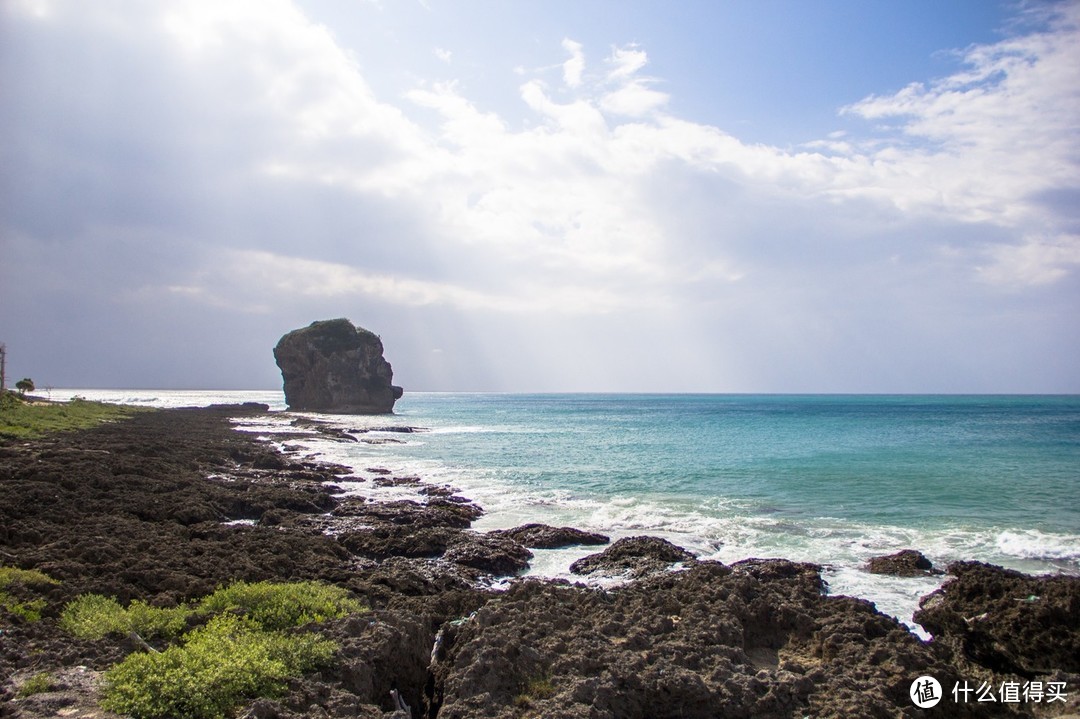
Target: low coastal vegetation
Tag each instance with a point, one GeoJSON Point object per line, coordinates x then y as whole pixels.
{"type": "Point", "coordinates": [26, 418]}
{"type": "Point", "coordinates": [246, 643]}
{"type": "Point", "coordinates": [213, 670]}
{"type": "Point", "coordinates": [535, 689]}
{"type": "Point", "coordinates": [37, 684]}
{"type": "Point", "coordinates": [15, 584]}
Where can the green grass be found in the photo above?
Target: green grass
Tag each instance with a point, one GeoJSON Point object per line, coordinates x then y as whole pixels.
{"type": "Point", "coordinates": [28, 610]}
{"type": "Point", "coordinates": [21, 419]}
{"type": "Point", "coordinates": [249, 646]}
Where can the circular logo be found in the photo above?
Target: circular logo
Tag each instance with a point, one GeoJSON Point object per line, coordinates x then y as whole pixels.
{"type": "Point", "coordinates": [925, 692]}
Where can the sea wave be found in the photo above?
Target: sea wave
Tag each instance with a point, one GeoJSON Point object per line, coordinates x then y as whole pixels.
{"type": "Point", "coordinates": [1038, 545]}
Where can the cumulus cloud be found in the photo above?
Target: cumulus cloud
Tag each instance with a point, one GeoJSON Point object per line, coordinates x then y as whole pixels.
{"type": "Point", "coordinates": [246, 134]}
{"type": "Point", "coordinates": [987, 140]}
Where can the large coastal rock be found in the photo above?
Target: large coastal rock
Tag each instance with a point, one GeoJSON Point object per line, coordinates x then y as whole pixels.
{"type": "Point", "coordinates": [334, 366]}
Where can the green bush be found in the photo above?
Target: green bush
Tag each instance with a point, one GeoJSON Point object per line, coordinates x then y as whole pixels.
{"type": "Point", "coordinates": [219, 665]}
{"type": "Point", "coordinates": [37, 684]}
{"type": "Point", "coordinates": [30, 609]}
{"type": "Point", "coordinates": [92, 616]}
{"type": "Point", "coordinates": [281, 606]}
{"type": "Point", "coordinates": [242, 652]}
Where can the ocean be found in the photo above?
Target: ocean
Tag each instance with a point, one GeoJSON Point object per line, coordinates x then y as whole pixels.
{"type": "Point", "coordinates": [830, 479]}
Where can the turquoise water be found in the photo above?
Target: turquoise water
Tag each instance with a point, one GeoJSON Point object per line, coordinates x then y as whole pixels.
{"type": "Point", "coordinates": [833, 480]}
{"type": "Point", "coordinates": [914, 462]}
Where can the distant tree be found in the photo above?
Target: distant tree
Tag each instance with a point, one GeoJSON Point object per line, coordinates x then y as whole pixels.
{"type": "Point", "coordinates": [25, 385]}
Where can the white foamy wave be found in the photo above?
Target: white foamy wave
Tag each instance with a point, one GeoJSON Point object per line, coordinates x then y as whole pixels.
{"type": "Point", "coordinates": [170, 398]}
{"type": "Point", "coordinates": [1034, 544]}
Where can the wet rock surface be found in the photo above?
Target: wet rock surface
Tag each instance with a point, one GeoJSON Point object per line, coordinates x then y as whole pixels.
{"type": "Point", "coordinates": [146, 509]}
{"type": "Point", "coordinates": [544, 536]}
{"type": "Point", "coordinates": [905, 563]}
{"type": "Point", "coordinates": [634, 557]}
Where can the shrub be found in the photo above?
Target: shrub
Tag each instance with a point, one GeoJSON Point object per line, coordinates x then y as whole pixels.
{"type": "Point", "coordinates": [30, 609]}
{"type": "Point", "coordinates": [38, 684]}
{"type": "Point", "coordinates": [281, 606]}
{"type": "Point", "coordinates": [241, 653]}
{"type": "Point", "coordinates": [92, 616]}
{"type": "Point", "coordinates": [221, 664]}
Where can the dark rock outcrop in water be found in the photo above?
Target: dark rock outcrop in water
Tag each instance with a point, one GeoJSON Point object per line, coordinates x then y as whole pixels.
{"type": "Point", "coordinates": [544, 536]}
{"type": "Point", "coordinates": [905, 563]}
{"type": "Point", "coordinates": [634, 557]}
{"type": "Point", "coordinates": [334, 366]}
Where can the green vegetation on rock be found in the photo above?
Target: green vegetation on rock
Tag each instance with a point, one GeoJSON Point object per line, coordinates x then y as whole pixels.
{"type": "Point", "coordinates": [93, 616]}
{"type": "Point", "coordinates": [24, 419]}
{"type": "Point", "coordinates": [535, 689]}
{"type": "Point", "coordinates": [22, 581]}
{"type": "Point", "coordinates": [280, 606]}
{"type": "Point", "coordinates": [38, 684]}
{"type": "Point", "coordinates": [248, 648]}
{"type": "Point", "coordinates": [217, 667]}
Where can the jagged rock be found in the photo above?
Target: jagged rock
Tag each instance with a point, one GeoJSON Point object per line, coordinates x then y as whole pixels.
{"type": "Point", "coordinates": [491, 554]}
{"type": "Point", "coordinates": [495, 555]}
{"type": "Point", "coordinates": [437, 512]}
{"type": "Point", "coordinates": [399, 541]}
{"type": "Point", "coordinates": [905, 563]}
{"type": "Point", "coordinates": [544, 536]}
{"type": "Point", "coordinates": [636, 556]}
{"type": "Point", "coordinates": [334, 366]}
{"type": "Point", "coordinates": [1006, 621]}
{"type": "Point", "coordinates": [758, 639]}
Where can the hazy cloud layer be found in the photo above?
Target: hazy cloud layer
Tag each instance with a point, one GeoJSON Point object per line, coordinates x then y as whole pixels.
{"type": "Point", "coordinates": [186, 181]}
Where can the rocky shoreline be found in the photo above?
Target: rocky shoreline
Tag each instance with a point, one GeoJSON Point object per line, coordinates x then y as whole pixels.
{"type": "Point", "coordinates": [170, 504]}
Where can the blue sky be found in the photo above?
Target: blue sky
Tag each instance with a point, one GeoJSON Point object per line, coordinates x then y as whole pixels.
{"type": "Point", "coordinates": [830, 196]}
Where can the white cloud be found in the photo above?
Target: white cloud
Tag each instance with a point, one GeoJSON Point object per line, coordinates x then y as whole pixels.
{"type": "Point", "coordinates": [575, 66]}
{"type": "Point", "coordinates": [625, 62]}
{"type": "Point", "coordinates": [302, 185]}
{"type": "Point", "coordinates": [443, 55]}
{"type": "Point", "coordinates": [243, 280]}
{"type": "Point", "coordinates": [1035, 261]}
{"type": "Point", "coordinates": [982, 143]}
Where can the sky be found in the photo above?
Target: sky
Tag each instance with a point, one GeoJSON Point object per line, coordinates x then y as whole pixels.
{"type": "Point", "coordinates": [545, 195]}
